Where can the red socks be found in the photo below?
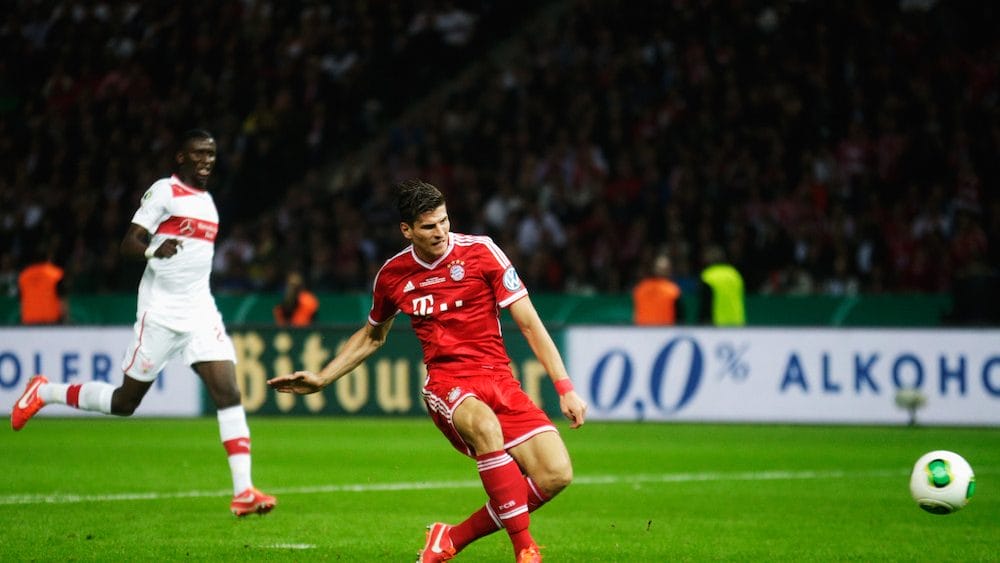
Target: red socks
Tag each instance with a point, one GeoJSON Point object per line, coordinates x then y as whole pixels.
{"type": "Point", "coordinates": [509, 494]}
{"type": "Point", "coordinates": [483, 522]}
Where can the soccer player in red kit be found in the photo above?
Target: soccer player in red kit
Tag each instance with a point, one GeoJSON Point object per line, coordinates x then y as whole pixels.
{"type": "Point", "coordinates": [453, 286]}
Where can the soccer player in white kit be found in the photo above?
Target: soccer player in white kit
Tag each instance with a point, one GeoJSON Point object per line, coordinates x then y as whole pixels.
{"type": "Point", "coordinates": [174, 230]}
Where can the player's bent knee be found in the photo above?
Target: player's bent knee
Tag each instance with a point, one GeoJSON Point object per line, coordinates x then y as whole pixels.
{"type": "Point", "coordinates": [484, 435]}
{"type": "Point", "coordinates": [554, 479]}
{"type": "Point", "coordinates": [562, 477]}
{"type": "Point", "coordinates": [488, 428]}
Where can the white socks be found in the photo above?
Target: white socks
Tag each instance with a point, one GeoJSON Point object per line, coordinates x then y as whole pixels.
{"type": "Point", "coordinates": [235, 436]}
{"type": "Point", "coordinates": [93, 396]}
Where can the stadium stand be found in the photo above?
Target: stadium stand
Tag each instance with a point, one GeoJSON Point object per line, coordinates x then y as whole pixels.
{"type": "Point", "coordinates": [832, 147]}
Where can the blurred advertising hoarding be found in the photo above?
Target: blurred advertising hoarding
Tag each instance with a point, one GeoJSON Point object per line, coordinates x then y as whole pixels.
{"type": "Point", "coordinates": [848, 376]}
{"type": "Point", "coordinates": [78, 355]}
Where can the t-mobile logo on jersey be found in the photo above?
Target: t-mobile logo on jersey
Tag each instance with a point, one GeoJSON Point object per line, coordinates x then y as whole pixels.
{"type": "Point", "coordinates": [424, 306]}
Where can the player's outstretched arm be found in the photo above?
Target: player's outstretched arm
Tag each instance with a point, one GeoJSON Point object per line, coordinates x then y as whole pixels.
{"type": "Point", "coordinates": [300, 382]}
{"type": "Point", "coordinates": [362, 344]}
{"type": "Point", "coordinates": [526, 316]}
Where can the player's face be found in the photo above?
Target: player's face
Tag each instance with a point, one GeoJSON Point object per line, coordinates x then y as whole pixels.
{"type": "Point", "coordinates": [196, 161]}
{"type": "Point", "coordinates": [429, 234]}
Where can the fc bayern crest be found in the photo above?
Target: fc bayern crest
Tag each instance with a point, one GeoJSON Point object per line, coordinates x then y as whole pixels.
{"type": "Point", "coordinates": [457, 272]}
{"type": "Point", "coordinates": [454, 393]}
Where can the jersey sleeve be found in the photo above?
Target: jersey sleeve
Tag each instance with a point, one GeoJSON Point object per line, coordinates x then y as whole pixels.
{"type": "Point", "coordinates": [153, 207]}
{"type": "Point", "coordinates": [383, 307]}
{"type": "Point", "coordinates": [501, 275]}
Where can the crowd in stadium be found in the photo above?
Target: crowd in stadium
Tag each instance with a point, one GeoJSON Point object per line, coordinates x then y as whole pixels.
{"type": "Point", "coordinates": [830, 147]}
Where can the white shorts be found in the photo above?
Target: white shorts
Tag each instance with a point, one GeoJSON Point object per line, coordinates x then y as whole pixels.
{"type": "Point", "coordinates": [153, 345]}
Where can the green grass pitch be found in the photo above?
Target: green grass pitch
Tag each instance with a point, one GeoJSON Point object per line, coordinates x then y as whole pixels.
{"type": "Point", "coordinates": [362, 489]}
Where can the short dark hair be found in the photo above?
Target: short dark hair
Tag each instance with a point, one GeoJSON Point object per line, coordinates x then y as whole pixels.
{"type": "Point", "coordinates": [192, 134]}
{"type": "Point", "coordinates": [416, 197]}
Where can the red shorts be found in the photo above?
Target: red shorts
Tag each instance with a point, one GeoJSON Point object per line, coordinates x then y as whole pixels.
{"type": "Point", "coordinates": [520, 418]}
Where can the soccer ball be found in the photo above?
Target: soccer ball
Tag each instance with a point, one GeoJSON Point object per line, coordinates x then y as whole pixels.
{"type": "Point", "coordinates": [942, 482]}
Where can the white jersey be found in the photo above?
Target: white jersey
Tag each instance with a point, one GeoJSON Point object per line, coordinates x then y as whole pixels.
{"type": "Point", "coordinates": [175, 291]}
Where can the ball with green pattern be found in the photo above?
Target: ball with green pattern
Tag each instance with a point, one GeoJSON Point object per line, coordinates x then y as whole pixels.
{"type": "Point", "coordinates": [942, 482]}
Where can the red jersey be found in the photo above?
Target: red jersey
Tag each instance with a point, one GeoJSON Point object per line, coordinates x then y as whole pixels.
{"type": "Point", "coordinates": [453, 303]}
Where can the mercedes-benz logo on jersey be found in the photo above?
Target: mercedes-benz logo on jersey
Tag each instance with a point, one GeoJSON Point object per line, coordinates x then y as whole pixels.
{"type": "Point", "coordinates": [511, 280]}
{"type": "Point", "coordinates": [187, 227]}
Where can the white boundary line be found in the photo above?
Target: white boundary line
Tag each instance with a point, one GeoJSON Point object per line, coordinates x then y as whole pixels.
{"type": "Point", "coordinates": [776, 475]}
{"type": "Point", "coordinates": [290, 546]}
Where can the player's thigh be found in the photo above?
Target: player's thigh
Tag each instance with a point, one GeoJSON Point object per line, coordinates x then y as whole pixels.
{"type": "Point", "coordinates": [210, 343]}
{"type": "Point", "coordinates": [211, 354]}
{"type": "Point", "coordinates": [151, 348]}
{"type": "Point", "coordinates": [478, 425]}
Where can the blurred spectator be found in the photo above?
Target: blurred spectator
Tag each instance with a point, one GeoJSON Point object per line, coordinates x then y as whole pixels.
{"type": "Point", "coordinates": [41, 291]}
{"type": "Point", "coordinates": [298, 305]}
{"type": "Point", "coordinates": [721, 294]}
{"type": "Point", "coordinates": [656, 299]}
{"type": "Point", "coordinates": [539, 229]}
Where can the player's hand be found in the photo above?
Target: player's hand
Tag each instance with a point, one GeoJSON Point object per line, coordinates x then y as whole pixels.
{"type": "Point", "coordinates": [170, 247]}
{"type": "Point", "coordinates": [573, 408]}
{"type": "Point", "coordinates": [300, 382]}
